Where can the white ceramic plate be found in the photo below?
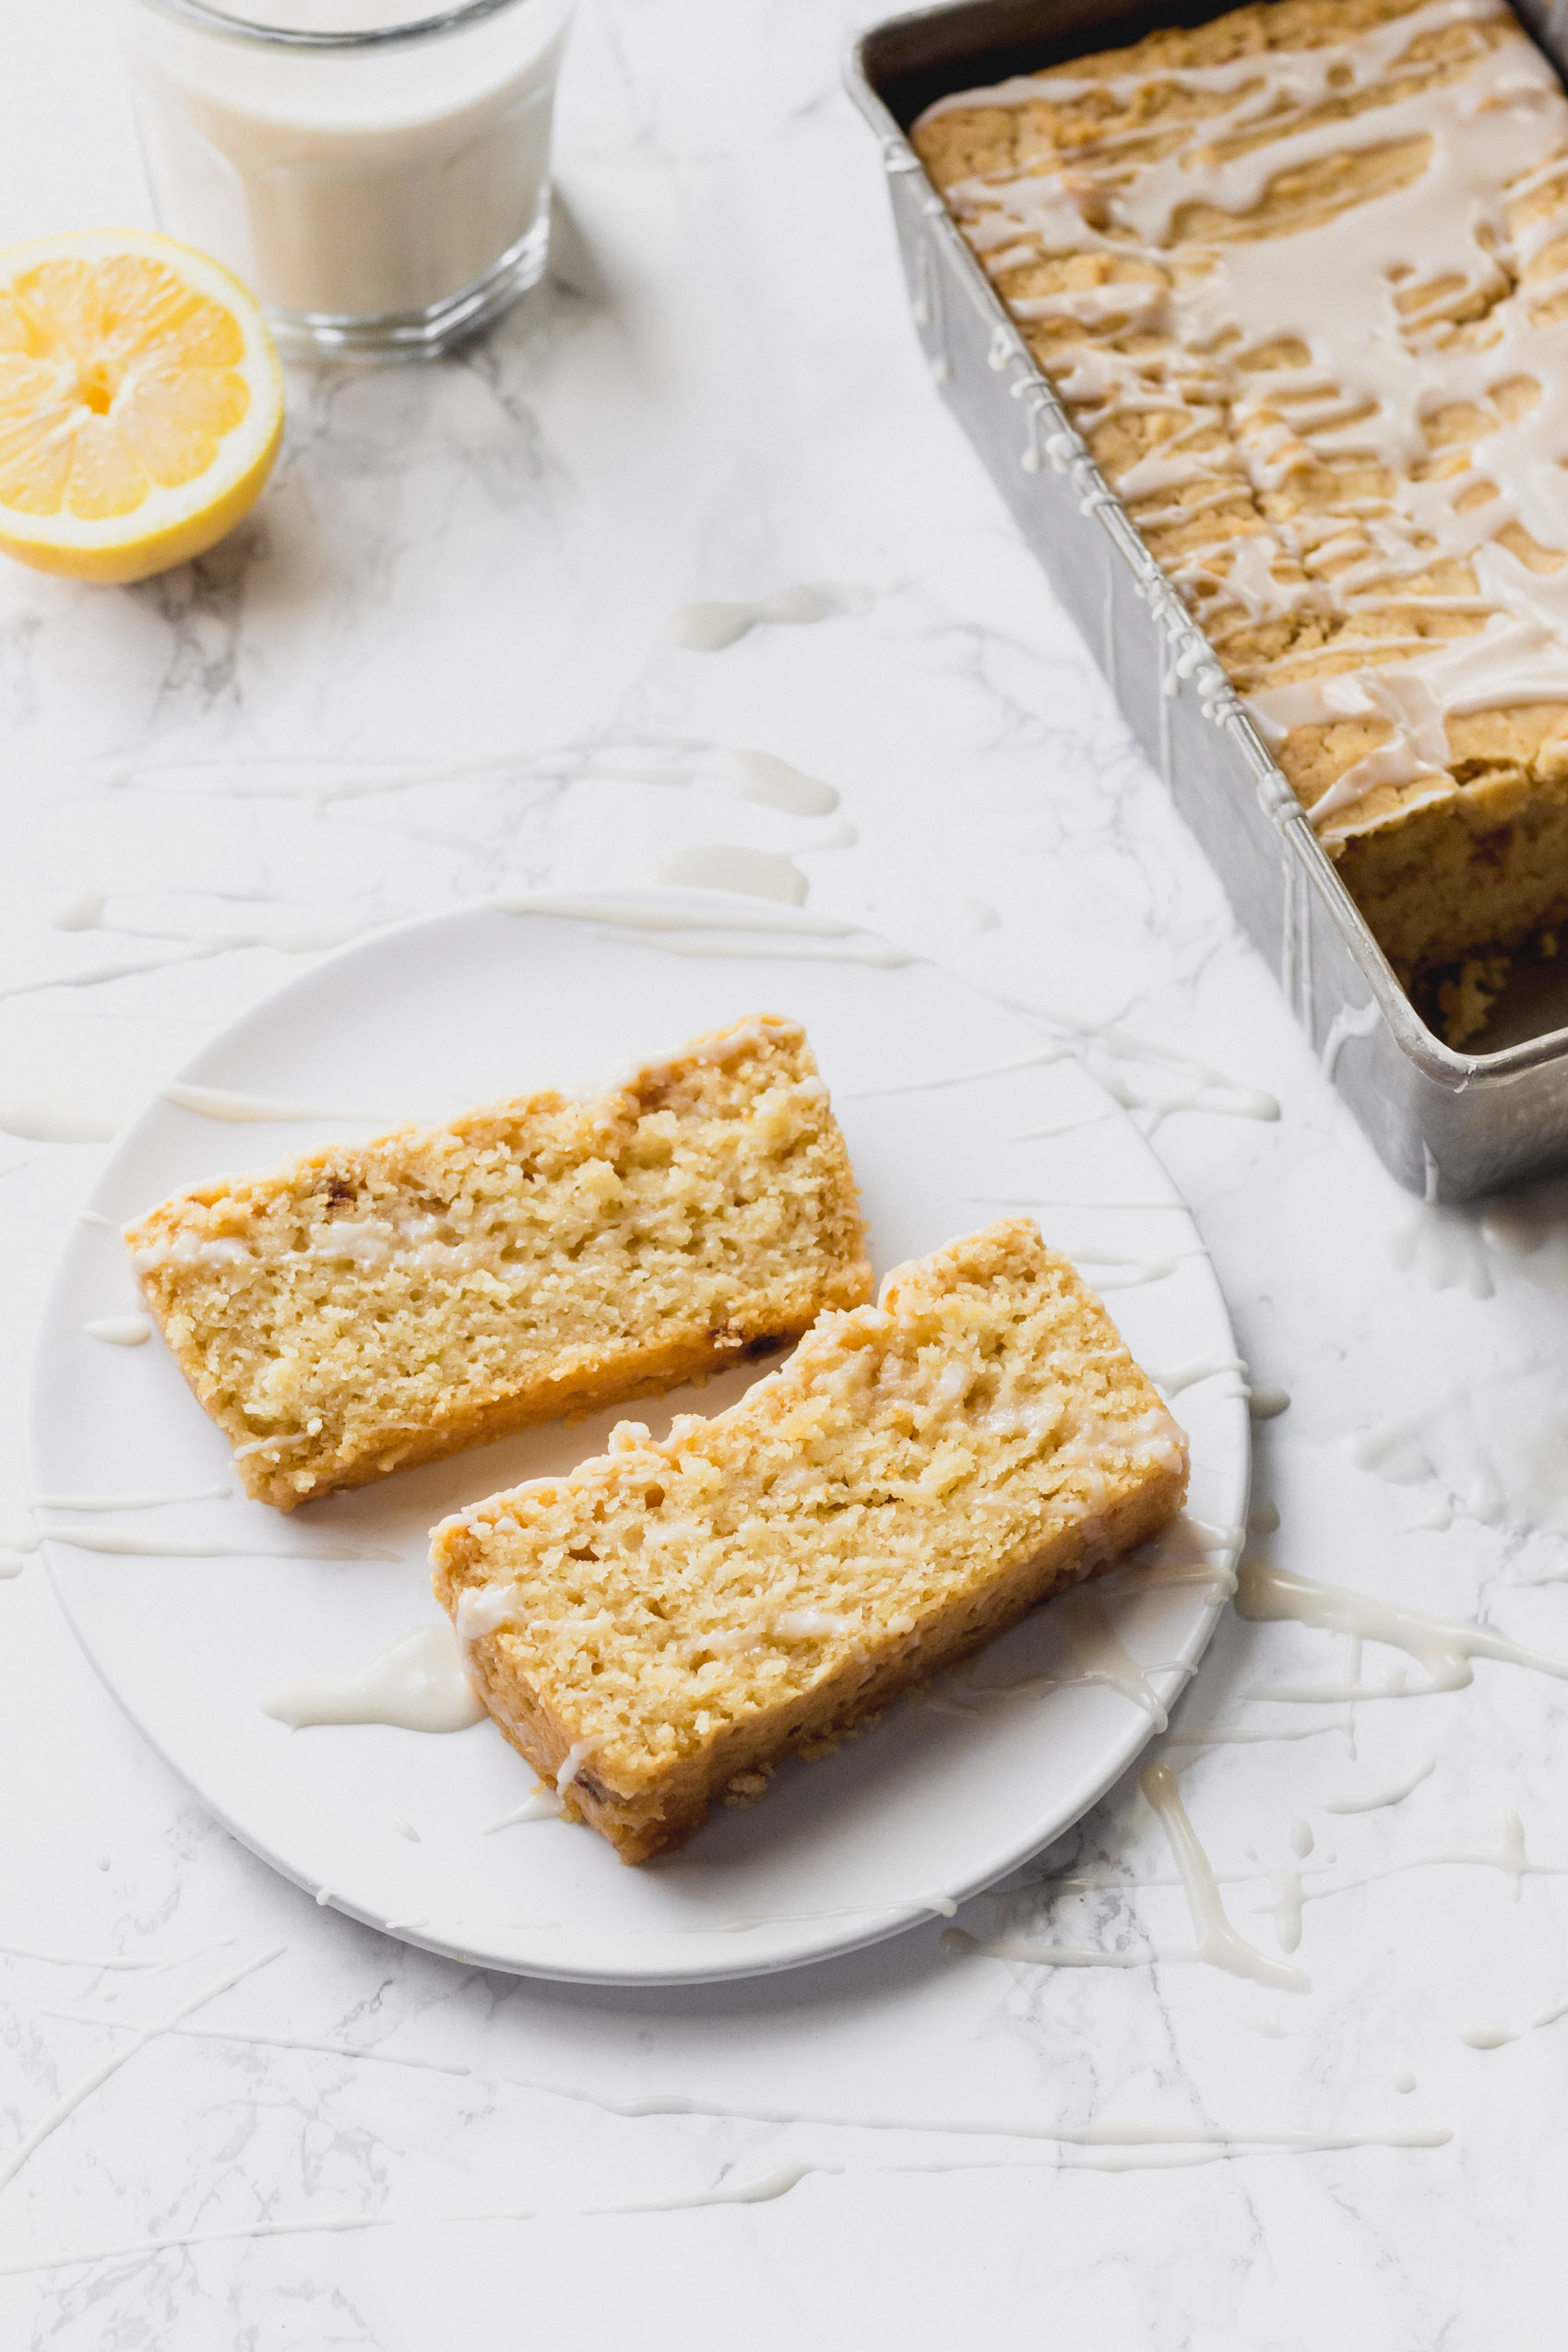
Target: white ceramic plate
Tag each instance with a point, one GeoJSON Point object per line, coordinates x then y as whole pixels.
{"type": "Point", "coordinates": [928, 1806]}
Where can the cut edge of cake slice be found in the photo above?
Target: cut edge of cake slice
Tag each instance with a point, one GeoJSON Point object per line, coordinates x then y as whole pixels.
{"type": "Point", "coordinates": [664, 1625]}
{"type": "Point", "coordinates": [369, 1306]}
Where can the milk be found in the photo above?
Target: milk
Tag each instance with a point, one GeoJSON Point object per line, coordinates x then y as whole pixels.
{"type": "Point", "coordinates": [382, 190]}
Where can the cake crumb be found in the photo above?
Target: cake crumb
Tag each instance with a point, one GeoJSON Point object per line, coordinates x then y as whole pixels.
{"type": "Point", "coordinates": [1466, 1003]}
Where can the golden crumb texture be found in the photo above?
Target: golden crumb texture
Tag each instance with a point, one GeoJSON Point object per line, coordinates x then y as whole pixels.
{"type": "Point", "coordinates": [374, 1305]}
{"type": "Point", "coordinates": [666, 1624]}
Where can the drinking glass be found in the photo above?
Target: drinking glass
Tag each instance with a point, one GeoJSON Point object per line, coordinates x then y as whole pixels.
{"type": "Point", "coordinates": [376, 172]}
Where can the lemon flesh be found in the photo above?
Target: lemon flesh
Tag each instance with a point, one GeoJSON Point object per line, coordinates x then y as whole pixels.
{"type": "Point", "coordinates": [141, 403]}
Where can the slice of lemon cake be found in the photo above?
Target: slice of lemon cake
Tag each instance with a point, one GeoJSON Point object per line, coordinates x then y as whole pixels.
{"type": "Point", "coordinates": [372, 1305]}
{"type": "Point", "coordinates": [664, 1625]}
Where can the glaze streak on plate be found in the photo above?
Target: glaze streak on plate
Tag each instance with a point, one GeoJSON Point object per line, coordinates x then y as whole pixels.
{"type": "Point", "coordinates": [931, 1806]}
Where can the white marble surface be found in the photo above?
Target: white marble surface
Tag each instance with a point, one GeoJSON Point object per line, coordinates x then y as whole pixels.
{"type": "Point", "coordinates": [720, 395]}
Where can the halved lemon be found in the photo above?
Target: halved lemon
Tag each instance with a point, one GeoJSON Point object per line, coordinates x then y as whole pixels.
{"type": "Point", "coordinates": [141, 403]}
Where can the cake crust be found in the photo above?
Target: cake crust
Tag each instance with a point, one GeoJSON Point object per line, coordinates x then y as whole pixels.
{"type": "Point", "coordinates": [673, 1619]}
{"type": "Point", "coordinates": [367, 1307]}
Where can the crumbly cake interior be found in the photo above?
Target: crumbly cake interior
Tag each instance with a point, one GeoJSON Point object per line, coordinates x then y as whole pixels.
{"type": "Point", "coordinates": [663, 1624]}
{"type": "Point", "coordinates": [1301, 275]}
{"type": "Point", "coordinates": [370, 1306]}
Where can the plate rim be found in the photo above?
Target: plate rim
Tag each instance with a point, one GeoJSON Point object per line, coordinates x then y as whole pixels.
{"type": "Point", "coordinates": [1116, 1757]}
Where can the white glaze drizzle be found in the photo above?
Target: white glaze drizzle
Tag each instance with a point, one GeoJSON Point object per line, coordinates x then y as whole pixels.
{"type": "Point", "coordinates": [237, 1107]}
{"type": "Point", "coordinates": [842, 836]}
{"type": "Point", "coordinates": [1265, 1402]}
{"type": "Point", "coordinates": [1345, 1026]}
{"type": "Point", "coordinates": [1510, 1858]}
{"type": "Point", "coordinates": [11, 1565]}
{"type": "Point", "coordinates": [266, 923]}
{"type": "Point", "coordinates": [1045, 1056]}
{"type": "Point", "coordinates": [1295, 1887]}
{"type": "Point", "coordinates": [676, 929]}
{"type": "Point", "coordinates": [764, 2189]}
{"type": "Point", "coordinates": [1223, 1735]}
{"type": "Point", "coordinates": [754, 873]}
{"type": "Point", "coordinates": [1200, 1087]}
{"type": "Point", "coordinates": [1446, 1246]}
{"type": "Point", "coordinates": [1040, 1200]}
{"type": "Point", "coordinates": [1062, 1126]}
{"type": "Point", "coordinates": [1236, 1102]}
{"type": "Point", "coordinates": [134, 1546]}
{"type": "Point", "coordinates": [80, 911]}
{"type": "Point", "coordinates": [43, 1123]}
{"type": "Point", "coordinates": [485, 1608]}
{"type": "Point", "coordinates": [809, 1625]}
{"type": "Point", "coordinates": [1292, 1892]}
{"type": "Point", "coordinates": [51, 2121]}
{"type": "Point", "coordinates": [1161, 2151]}
{"type": "Point", "coordinates": [1492, 133]}
{"type": "Point", "coordinates": [92, 1217]}
{"type": "Point", "coordinates": [1098, 1655]}
{"type": "Point", "coordinates": [543, 1804]}
{"type": "Point", "coordinates": [417, 1685]}
{"type": "Point", "coordinates": [1382, 1796]}
{"type": "Point", "coordinates": [712, 628]}
{"type": "Point", "coordinates": [120, 1331]}
{"type": "Point", "coordinates": [1114, 1270]}
{"type": "Point", "coordinates": [96, 979]}
{"type": "Point", "coordinates": [1219, 1942]}
{"type": "Point", "coordinates": [741, 774]}
{"type": "Point", "coordinates": [1182, 1555]}
{"type": "Point", "coordinates": [111, 1960]}
{"type": "Point", "coordinates": [1287, 1900]}
{"type": "Point", "coordinates": [572, 1761]}
{"type": "Point", "coordinates": [765, 777]}
{"type": "Point", "coordinates": [1268, 1595]}
{"type": "Point", "coordinates": [1494, 2036]}
{"type": "Point", "coordinates": [776, 947]}
{"type": "Point", "coordinates": [1128, 2136]}
{"type": "Point", "coordinates": [219, 1493]}
{"type": "Point", "coordinates": [1187, 1375]}
{"type": "Point", "coordinates": [1494, 1449]}
{"type": "Point", "coordinates": [737, 1923]}
{"type": "Point", "coordinates": [188, 1249]}
{"type": "Point", "coordinates": [1195, 1085]}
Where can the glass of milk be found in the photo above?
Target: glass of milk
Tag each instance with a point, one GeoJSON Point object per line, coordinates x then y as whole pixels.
{"type": "Point", "coordinates": [376, 171]}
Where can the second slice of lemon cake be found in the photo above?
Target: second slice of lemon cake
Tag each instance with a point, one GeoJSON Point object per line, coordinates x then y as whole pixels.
{"type": "Point", "coordinates": [661, 1626]}
{"type": "Point", "coordinates": [374, 1305]}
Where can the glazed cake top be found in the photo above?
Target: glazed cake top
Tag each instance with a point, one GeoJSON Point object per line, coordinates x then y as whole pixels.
{"type": "Point", "coordinates": [1306, 267]}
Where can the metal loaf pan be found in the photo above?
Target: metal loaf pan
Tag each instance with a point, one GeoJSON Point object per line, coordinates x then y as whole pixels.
{"type": "Point", "coordinates": [1450, 1125]}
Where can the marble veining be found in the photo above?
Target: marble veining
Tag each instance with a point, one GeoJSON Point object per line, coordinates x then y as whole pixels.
{"type": "Point", "coordinates": [436, 667]}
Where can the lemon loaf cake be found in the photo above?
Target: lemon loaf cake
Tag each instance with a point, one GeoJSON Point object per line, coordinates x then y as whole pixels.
{"type": "Point", "coordinates": [374, 1305]}
{"type": "Point", "coordinates": [1300, 276]}
{"type": "Point", "coordinates": [661, 1626]}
